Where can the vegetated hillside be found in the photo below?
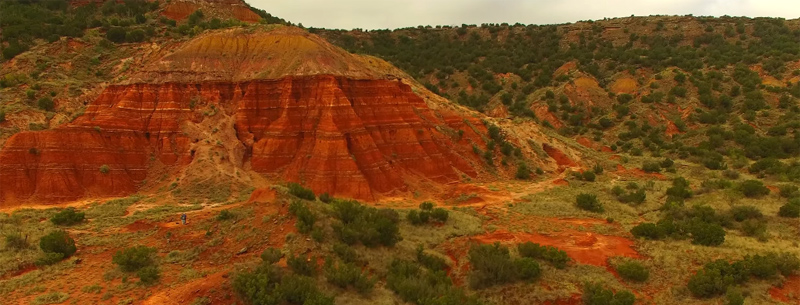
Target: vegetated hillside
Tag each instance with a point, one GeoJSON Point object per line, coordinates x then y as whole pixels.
{"type": "Point", "coordinates": [77, 47]}
{"type": "Point", "coordinates": [690, 87]}
{"type": "Point", "coordinates": [658, 173]}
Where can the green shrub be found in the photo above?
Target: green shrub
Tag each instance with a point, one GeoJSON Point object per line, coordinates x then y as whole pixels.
{"type": "Point", "coordinates": [104, 169]}
{"type": "Point", "coordinates": [633, 271]}
{"type": "Point", "coordinates": [651, 167]}
{"type": "Point", "coordinates": [15, 241]}
{"type": "Point", "coordinates": [440, 215]}
{"type": "Point", "coordinates": [753, 188]}
{"type": "Point", "coordinates": [790, 210]}
{"type": "Point", "coordinates": [707, 234]}
{"type": "Point", "coordinates": [344, 275]}
{"type": "Point", "coordinates": [302, 265]}
{"type": "Point", "coordinates": [305, 218]}
{"type": "Point", "coordinates": [745, 212]}
{"type": "Point", "coordinates": [679, 191]}
{"type": "Point", "coordinates": [588, 202]}
{"type": "Point", "coordinates": [46, 103]}
{"type": "Point", "coordinates": [492, 265]}
{"type": "Point", "coordinates": [788, 190]}
{"type": "Point", "coordinates": [523, 171]}
{"type": "Point", "coordinates": [2, 116]}
{"type": "Point", "coordinates": [47, 259]}
{"type": "Point", "coordinates": [116, 34]}
{"type": "Point", "coordinates": [421, 287]}
{"type": "Point", "coordinates": [648, 230]}
{"type": "Point", "coordinates": [58, 242]}
{"type": "Point", "coordinates": [367, 225]}
{"type": "Point", "coordinates": [598, 169]}
{"type": "Point", "coordinates": [734, 297]}
{"type": "Point", "coordinates": [271, 256]}
{"type": "Point", "coordinates": [345, 253]}
{"type": "Point", "coordinates": [266, 285]}
{"type": "Point", "coordinates": [326, 198]}
{"type": "Point", "coordinates": [299, 191]}
{"type": "Point", "coordinates": [557, 257]}
{"type": "Point", "coordinates": [67, 217]}
{"type": "Point", "coordinates": [148, 275]}
{"type": "Point", "coordinates": [54, 297]}
{"type": "Point", "coordinates": [596, 294]}
{"type": "Point", "coordinates": [225, 215]}
{"type": "Point", "coordinates": [667, 163]}
{"type": "Point", "coordinates": [433, 263]}
{"type": "Point", "coordinates": [527, 268]}
{"type": "Point", "coordinates": [589, 176]}
{"type": "Point", "coordinates": [426, 206]}
{"type": "Point", "coordinates": [134, 258]}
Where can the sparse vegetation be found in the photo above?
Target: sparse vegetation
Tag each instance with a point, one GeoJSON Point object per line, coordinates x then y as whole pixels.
{"type": "Point", "coordinates": [633, 271]}
{"type": "Point", "coordinates": [557, 257]}
{"type": "Point", "coordinates": [301, 192]}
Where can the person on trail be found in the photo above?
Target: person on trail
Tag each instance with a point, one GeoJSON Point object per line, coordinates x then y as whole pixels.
{"type": "Point", "coordinates": [183, 218]}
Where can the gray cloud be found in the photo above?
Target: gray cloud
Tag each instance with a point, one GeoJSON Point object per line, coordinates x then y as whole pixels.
{"type": "Point", "coordinates": [380, 14]}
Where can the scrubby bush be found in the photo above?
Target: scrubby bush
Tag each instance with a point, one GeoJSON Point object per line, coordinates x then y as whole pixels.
{"type": "Point", "coordinates": [745, 212]}
{"type": "Point", "coordinates": [634, 194]}
{"type": "Point", "coordinates": [789, 190]}
{"type": "Point", "coordinates": [116, 34]}
{"type": "Point", "coordinates": [302, 265]}
{"type": "Point", "coordinates": [679, 191]}
{"type": "Point", "coordinates": [267, 285]}
{"type": "Point", "coordinates": [433, 263]}
{"type": "Point", "coordinates": [326, 198]}
{"type": "Point", "coordinates": [667, 163]}
{"type": "Point", "coordinates": [367, 225]}
{"type": "Point", "coordinates": [651, 167]}
{"type": "Point", "coordinates": [225, 215]}
{"type": "Point", "coordinates": [523, 171]}
{"type": "Point", "coordinates": [271, 256]}
{"type": "Point", "coordinates": [58, 242]}
{"type": "Point", "coordinates": [15, 241]}
{"type": "Point", "coordinates": [527, 269]}
{"type": "Point", "coordinates": [46, 103]}
{"type": "Point", "coordinates": [753, 189]}
{"type": "Point", "coordinates": [418, 286]}
{"type": "Point", "coordinates": [305, 218]}
{"type": "Point", "coordinates": [648, 230]}
{"type": "Point", "coordinates": [148, 275]}
{"type": "Point", "coordinates": [707, 234]}
{"type": "Point", "coordinates": [719, 276]}
{"type": "Point", "coordinates": [301, 192]}
{"type": "Point", "coordinates": [633, 271]}
{"type": "Point", "coordinates": [134, 258]}
{"type": "Point", "coordinates": [345, 274]}
{"type": "Point", "coordinates": [791, 209]}
{"type": "Point", "coordinates": [596, 294]}
{"type": "Point", "coordinates": [589, 202]}
{"type": "Point", "coordinates": [492, 265]}
{"type": "Point", "coordinates": [67, 217]}
{"type": "Point", "coordinates": [104, 169]}
{"type": "Point", "coordinates": [426, 213]}
{"type": "Point", "coordinates": [557, 257]}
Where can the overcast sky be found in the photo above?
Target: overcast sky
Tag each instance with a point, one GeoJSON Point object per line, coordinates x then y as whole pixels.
{"type": "Point", "coordinates": [382, 14]}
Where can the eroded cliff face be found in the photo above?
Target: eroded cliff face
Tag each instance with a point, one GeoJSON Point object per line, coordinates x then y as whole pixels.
{"type": "Point", "coordinates": [347, 137]}
{"type": "Point", "coordinates": [236, 9]}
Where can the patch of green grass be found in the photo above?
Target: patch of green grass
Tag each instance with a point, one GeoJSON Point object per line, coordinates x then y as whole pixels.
{"type": "Point", "coordinates": [50, 298]}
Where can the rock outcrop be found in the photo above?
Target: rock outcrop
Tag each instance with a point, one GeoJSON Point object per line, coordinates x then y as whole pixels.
{"type": "Point", "coordinates": [304, 111]}
{"type": "Point", "coordinates": [224, 9]}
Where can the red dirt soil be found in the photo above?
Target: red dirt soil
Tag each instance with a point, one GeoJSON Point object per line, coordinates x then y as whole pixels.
{"type": "Point", "coordinates": [639, 173]}
{"type": "Point", "coordinates": [561, 159]}
{"type": "Point", "coordinates": [789, 293]}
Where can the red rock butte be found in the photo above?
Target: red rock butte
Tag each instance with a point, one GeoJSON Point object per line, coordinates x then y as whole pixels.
{"type": "Point", "coordinates": [304, 111]}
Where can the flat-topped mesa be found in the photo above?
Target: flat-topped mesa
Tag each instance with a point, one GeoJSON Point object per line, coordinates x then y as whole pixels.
{"type": "Point", "coordinates": [237, 55]}
{"type": "Point", "coordinates": [328, 122]}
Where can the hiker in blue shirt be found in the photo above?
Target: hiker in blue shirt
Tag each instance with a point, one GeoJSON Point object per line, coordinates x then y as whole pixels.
{"type": "Point", "coordinates": [183, 218]}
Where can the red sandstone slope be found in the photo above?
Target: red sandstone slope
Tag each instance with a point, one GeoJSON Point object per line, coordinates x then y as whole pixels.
{"type": "Point", "coordinates": [300, 109]}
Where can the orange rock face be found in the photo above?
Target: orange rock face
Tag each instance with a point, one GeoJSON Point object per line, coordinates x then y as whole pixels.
{"type": "Point", "coordinates": [237, 9]}
{"type": "Point", "coordinates": [353, 138]}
